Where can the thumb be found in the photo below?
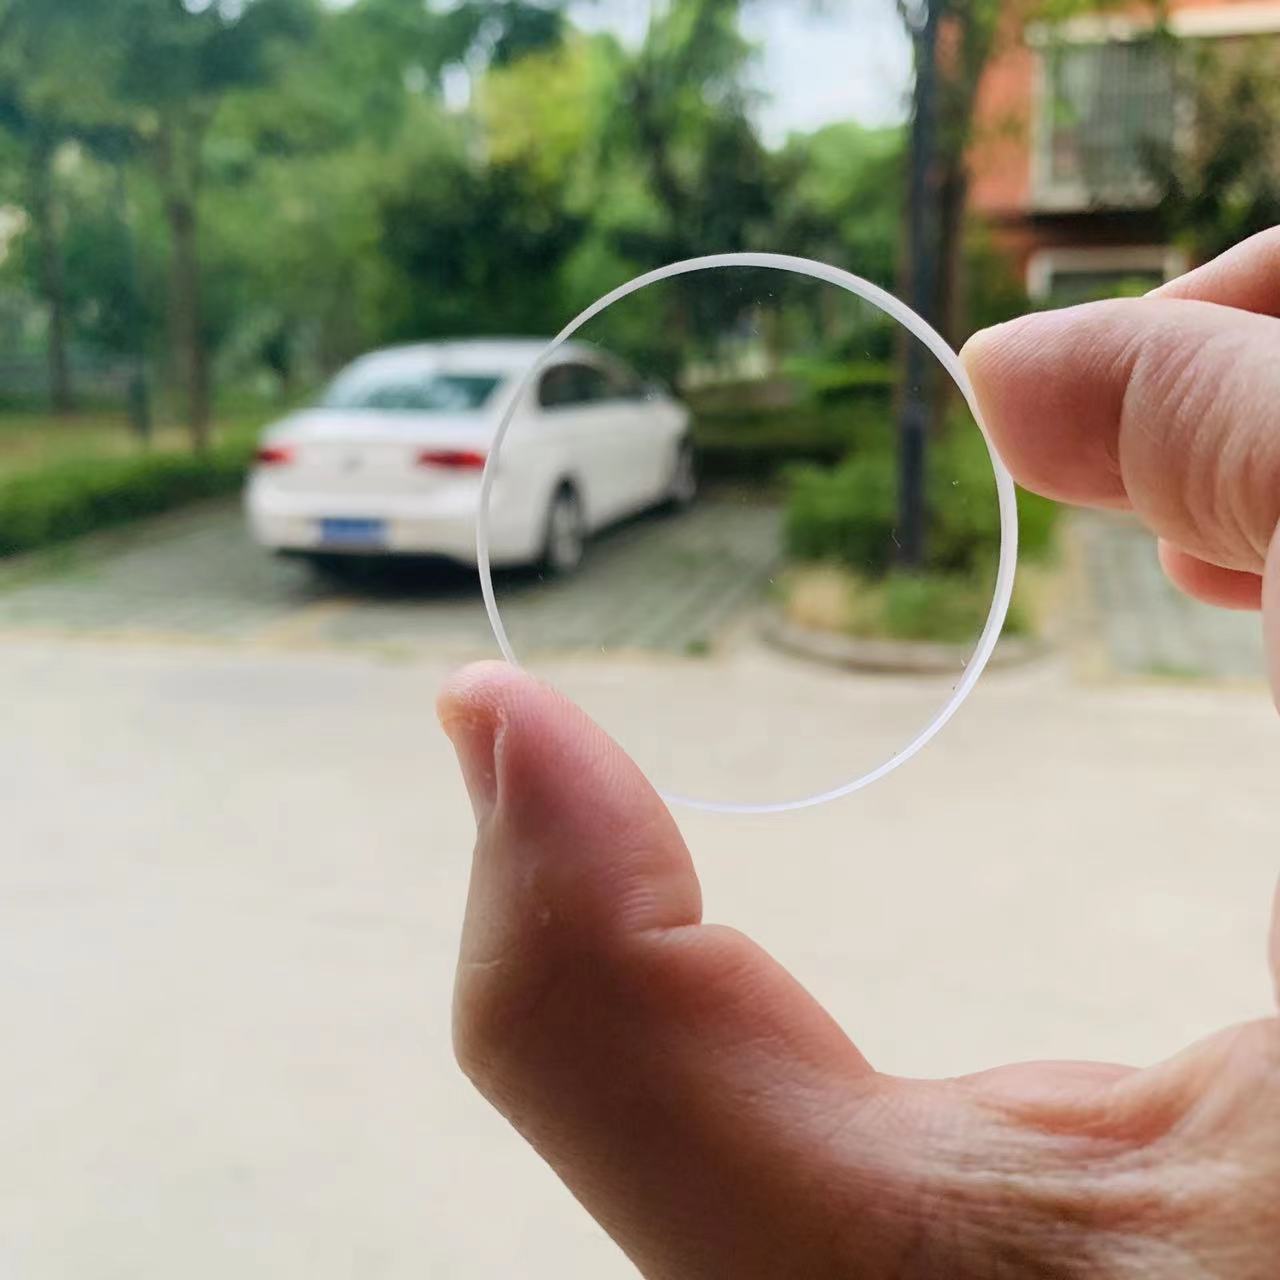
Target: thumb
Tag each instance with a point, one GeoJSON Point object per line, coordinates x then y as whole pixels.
{"type": "Point", "coordinates": [1274, 954]}
{"type": "Point", "coordinates": [1162, 405]}
{"type": "Point", "coordinates": [1271, 614]}
{"type": "Point", "coordinates": [672, 1074]}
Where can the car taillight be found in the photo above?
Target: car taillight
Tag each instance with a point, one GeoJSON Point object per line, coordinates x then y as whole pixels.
{"type": "Point", "coordinates": [273, 455]}
{"type": "Point", "coordinates": [452, 459]}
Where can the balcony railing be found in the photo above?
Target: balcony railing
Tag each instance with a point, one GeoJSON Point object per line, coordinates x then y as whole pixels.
{"type": "Point", "coordinates": [1104, 112]}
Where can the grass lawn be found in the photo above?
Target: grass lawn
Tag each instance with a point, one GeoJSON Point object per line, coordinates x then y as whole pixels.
{"type": "Point", "coordinates": [32, 441]}
{"type": "Point", "coordinates": [61, 478]}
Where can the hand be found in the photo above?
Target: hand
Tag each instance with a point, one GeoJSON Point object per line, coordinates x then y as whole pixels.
{"type": "Point", "coordinates": [699, 1103]}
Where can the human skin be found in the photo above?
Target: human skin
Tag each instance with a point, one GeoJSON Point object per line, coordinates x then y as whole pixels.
{"type": "Point", "coordinates": [699, 1103]}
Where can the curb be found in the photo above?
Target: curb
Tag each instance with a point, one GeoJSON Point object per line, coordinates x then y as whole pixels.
{"type": "Point", "coordinates": [894, 657]}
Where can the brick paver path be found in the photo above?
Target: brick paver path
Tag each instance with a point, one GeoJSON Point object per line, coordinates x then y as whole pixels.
{"type": "Point", "coordinates": [663, 582]}
{"type": "Point", "coordinates": [1149, 628]}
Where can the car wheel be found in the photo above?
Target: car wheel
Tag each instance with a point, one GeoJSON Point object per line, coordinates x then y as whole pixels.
{"type": "Point", "coordinates": [683, 488]}
{"type": "Point", "coordinates": [565, 541]}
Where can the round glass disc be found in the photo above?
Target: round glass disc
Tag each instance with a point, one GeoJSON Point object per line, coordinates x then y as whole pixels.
{"type": "Point", "coordinates": [597, 412]}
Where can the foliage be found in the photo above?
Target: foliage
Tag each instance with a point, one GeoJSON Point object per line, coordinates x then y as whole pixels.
{"type": "Point", "coordinates": [763, 446]}
{"type": "Point", "coordinates": [1225, 185]}
{"type": "Point", "coordinates": [841, 197]}
{"type": "Point", "coordinates": [542, 112]}
{"type": "Point", "coordinates": [843, 381]}
{"type": "Point", "coordinates": [818, 412]}
{"type": "Point", "coordinates": [935, 606]}
{"type": "Point", "coordinates": [204, 111]}
{"type": "Point", "coordinates": [250, 186]}
{"type": "Point", "coordinates": [68, 499]}
{"type": "Point", "coordinates": [680, 119]}
{"type": "Point", "coordinates": [969, 34]}
{"type": "Point", "coordinates": [848, 514]}
{"type": "Point", "coordinates": [483, 247]}
{"type": "Point", "coordinates": [845, 514]}
{"type": "Point", "coordinates": [901, 605]}
{"type": "Point", "coordinates": [994, 293]}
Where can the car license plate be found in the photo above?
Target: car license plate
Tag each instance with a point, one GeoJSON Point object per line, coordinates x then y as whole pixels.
{"type": "Point", "coordinates": [353, 533]}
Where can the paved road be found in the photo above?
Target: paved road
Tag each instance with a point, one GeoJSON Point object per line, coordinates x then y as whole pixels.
{"type": "Point", "coordinates": [232, 875]}
{"type": "Point", "coordinates": [231, 881]}
{"type": "Point", "coordinates": [667, 583]}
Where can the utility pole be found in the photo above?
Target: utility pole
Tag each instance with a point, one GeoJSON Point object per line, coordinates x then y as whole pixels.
{"type": "Point", "coordinates": [922, 249]}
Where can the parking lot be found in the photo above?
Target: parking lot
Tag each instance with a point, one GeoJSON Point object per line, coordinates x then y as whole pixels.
{"type": "Point", "coordinates": [666, 583]}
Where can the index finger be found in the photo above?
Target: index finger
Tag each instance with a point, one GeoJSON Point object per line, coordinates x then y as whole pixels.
{"type": "Point", "coordinates": [1246, 277]}
{"type": "Point", "coordinates": [1169, 406]}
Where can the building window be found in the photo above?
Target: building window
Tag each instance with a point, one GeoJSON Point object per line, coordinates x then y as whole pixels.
{"type": "Point", "coordinates": [1061, 277]}
{"type": "Point", "coordinates": [1105, 111]}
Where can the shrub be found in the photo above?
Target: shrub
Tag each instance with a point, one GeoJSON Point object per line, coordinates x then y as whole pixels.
{"type": "Point", "coordinates": [761, 446]}
{"type": "Point", "coordinates": [67, 500]}
{"type": "Point", "coordinates": [849, 513]}
{"type": "Point", "coordinates": [838, 382]}
{"type": "Point", "coordinates": [845, 514]}
{"type": "Point", "coordinates": [933, 606]}
{"type": "Point", "coordinates": [817, 412]}
{"type": "Point", "coordinates": [948, 608]}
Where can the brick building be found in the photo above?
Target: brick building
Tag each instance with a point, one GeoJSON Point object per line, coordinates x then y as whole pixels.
{"type": "Point", "coordinates": [1065, 115]}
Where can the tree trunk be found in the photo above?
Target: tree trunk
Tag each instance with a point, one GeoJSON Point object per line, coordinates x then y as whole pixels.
{"type": "Point", "coordinates": [974, 31]}
{"type": "Point", "coordinates": [53, 283]}
{"type": "Point", "coordinates": [186, 298]}
{"type": "Point", "coordinates": [953, 195]}
{"type": "Point", "coordinates": [919, 367]}
{"type": "Point", "coordinates": [179, 174]}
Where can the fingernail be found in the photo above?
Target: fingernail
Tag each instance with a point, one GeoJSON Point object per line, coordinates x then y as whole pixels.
{"type": "Point", "coordinates": [475, 739]}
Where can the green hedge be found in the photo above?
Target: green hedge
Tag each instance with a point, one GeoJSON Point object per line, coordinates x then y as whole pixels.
{"type": "Point", "coordinates": [840, 382]}
{"type": "Point", "coordinates": [942, 607]}
{"type": "Point", "coordinates": [67, 500]}
{"type": "Point", "coordinates": [848, 514]}
{"type": "Point", "coordinates": [763, 445]}
{"type": "Point", "coordinates": [817, 412]}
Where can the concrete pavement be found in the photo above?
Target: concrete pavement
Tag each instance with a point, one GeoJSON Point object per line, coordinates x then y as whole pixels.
{"type": "Point", "coordinates": [232, 881]}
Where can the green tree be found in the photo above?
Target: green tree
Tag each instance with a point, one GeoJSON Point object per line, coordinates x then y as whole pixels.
{"type": "Point", "coordinates": [42, 107]}
{"type": "Point", "coordinates": [970, 33]}
{"type": "Point", "coordinates": [173, 67]}
{"type": "Point", "coordinates": [473, 248]}
{"type": "Point", "coordinates": [840, 197]}
{"type": "Point", "coordinates": [683, 114]}
{"type": "Point", "coordinates": [388, 217]}
{"type": "Point", "coordinates": [684, 158]}
{"type": "Point", "coordinates": [507, 30]}
{"type": "Point", "coordinates": [1223, 185]}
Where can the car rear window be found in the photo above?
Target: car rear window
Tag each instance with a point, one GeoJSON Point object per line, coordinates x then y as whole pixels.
{"type": "Point", "coordinates": [423, 392]}
{"type": "Point", "coordinates": [573, 384]}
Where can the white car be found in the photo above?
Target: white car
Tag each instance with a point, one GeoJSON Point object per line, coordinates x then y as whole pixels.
{"type": "Point", "coordinates": [390, 460]}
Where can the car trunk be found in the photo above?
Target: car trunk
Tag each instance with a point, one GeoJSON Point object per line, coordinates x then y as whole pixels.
{"type": "Point", "coordinates": [377, 452]}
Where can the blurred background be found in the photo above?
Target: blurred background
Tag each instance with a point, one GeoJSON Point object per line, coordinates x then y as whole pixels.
{"type": "Point", "coordinates": [271, 272]}
{"type": "Point", "coordinates": [209, 209]}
